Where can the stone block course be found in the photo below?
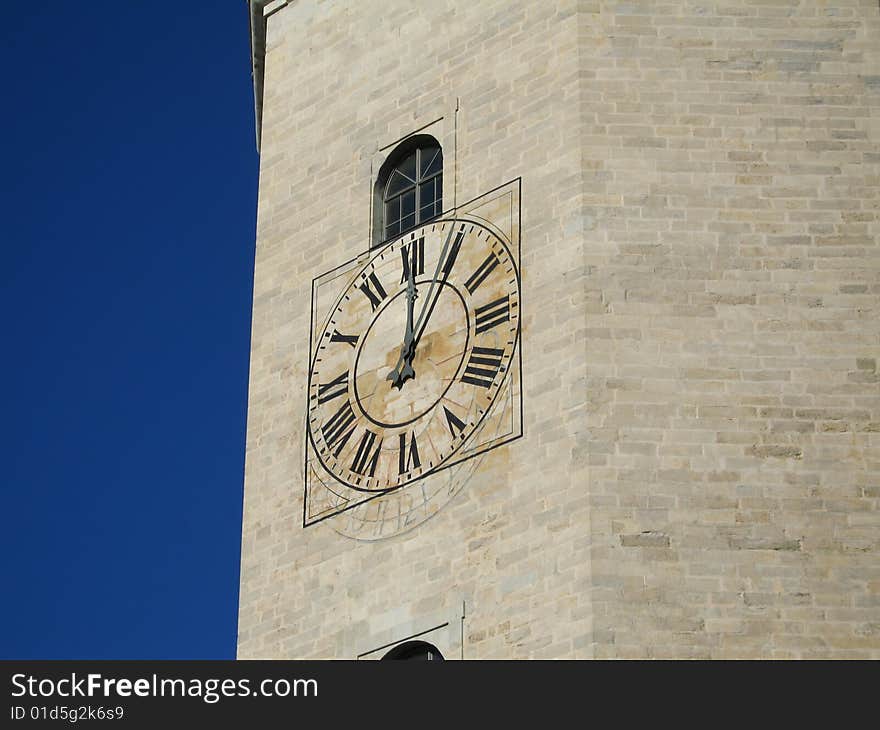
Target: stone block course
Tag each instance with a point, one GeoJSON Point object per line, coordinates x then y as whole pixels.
{"type": "Point", "coordinates": [701, 279]}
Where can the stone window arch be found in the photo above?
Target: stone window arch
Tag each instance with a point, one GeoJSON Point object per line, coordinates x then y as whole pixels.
{"type": "Point", "coordinates": [409, 187]}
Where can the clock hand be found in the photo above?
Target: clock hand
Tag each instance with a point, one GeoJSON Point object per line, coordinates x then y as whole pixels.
{"type": "Point", "coordinates": [403, 370]}
{"type": "Point", "coordinates": [431, 300]}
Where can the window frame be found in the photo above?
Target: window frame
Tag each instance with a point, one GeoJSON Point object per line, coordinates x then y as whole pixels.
{"type": "Point", "coordinates": [415, 146]}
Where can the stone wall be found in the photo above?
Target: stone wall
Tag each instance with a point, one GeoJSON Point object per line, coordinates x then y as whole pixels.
{"type": "Point", "coordinates": [699, 469]}
{"type": "Point", "coordinates": [731, 199]}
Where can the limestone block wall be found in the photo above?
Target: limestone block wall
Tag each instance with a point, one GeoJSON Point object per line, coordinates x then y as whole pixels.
{"type": "Point", "coordinates": [698, 475]}
{"type": "Point", "coordinates": [731, 206]}
{"type": "Point", "coordinates": [498, 83]}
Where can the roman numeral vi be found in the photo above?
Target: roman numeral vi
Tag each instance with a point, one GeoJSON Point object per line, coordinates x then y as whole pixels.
{"type": "Point", "coordinates": [408, 461]}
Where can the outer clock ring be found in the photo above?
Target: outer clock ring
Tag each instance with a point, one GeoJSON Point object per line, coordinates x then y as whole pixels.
{"type": "Point", "coordinates": [349, 476]}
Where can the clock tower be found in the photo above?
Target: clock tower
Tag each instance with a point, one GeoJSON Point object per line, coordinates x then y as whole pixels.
{"type": "Point", "coordinates": [565, 331]}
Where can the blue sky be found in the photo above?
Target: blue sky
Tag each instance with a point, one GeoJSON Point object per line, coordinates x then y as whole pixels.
{"type": "Point", "coordinates": [128, 210]}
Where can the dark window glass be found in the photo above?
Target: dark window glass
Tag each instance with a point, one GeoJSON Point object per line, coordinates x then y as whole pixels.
{"type": "Point", "coordinates": [407, 203]}
{"type": "Point", "coordinates": [426, 192]}
{"type": "Point", "coordinates": [397, 183]}
{"type": "Point", "coordinates": [408, 167]}
{"type": "Point", "coordinates": [414, 651]}
{"type": "Point", "coordinates": [392, 216]}
{"type": "Point", "coordinates": [431, 198]}
{"type": "Point", "coordinates": [431, 161]}
{"type": "Point", "coordinates": [413, 190]}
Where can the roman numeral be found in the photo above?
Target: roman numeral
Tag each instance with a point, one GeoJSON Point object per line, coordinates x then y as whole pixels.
{"type": "Point", "coordinates": [411, 460]}
{"type": "Point", "coordinates": [482, 367]}
{"type": "Point", "coordinates": [454, 423]}
{"type": "Point", "coordinates": [453, 253]}
{"type": "Point", "coordinates": [492, 314]}
{"type": "Point", "coordinates": [337, 336]}
{"type": "Point", "coordinates": [366, 457]}
{"type": "Point", "coordinates": [413, 258]}
{"type": "Point", "coordinates": [482, 272]}
{"type": "Point", "coordinates": [375, 299]}
{"type": "Point", "coordinates": [339, 428]}
{"type": "Point", "coordinates": [333, 389]}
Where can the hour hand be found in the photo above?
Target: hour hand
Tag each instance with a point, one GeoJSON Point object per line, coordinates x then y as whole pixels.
{"type": "Point", "coordinates": [404, 369]}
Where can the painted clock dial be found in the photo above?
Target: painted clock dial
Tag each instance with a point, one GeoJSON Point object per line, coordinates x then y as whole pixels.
{"type": "Point", "coordinates": [412, 355]}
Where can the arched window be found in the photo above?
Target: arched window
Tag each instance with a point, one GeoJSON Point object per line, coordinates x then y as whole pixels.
{"type": "Point", "coordinates": [414, 651]}
{"type": "Point", "coordinates": [409, 187]}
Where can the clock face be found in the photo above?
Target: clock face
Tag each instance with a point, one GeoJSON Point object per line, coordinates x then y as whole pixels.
{"type": "Point", "coordinates": [413, 354]}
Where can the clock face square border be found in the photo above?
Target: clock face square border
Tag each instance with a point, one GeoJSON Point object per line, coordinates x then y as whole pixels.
{"type": "Point", "coordinates": [496, 216]}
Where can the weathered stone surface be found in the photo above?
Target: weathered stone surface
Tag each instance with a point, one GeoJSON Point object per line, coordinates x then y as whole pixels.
{"type": "Point", "coordinates": [701, 453]}
{"type": "Point", "coordinates": [645, 539]}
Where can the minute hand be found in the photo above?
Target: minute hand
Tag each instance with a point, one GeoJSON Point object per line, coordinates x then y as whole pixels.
{"type": "Point", "coordinates": [444, 266]}
{"type": "Point", "coordinates": [408, 351]}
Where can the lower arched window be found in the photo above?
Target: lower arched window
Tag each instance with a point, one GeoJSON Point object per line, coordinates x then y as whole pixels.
{"type": "Point", "coordinates": [414, 651]}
